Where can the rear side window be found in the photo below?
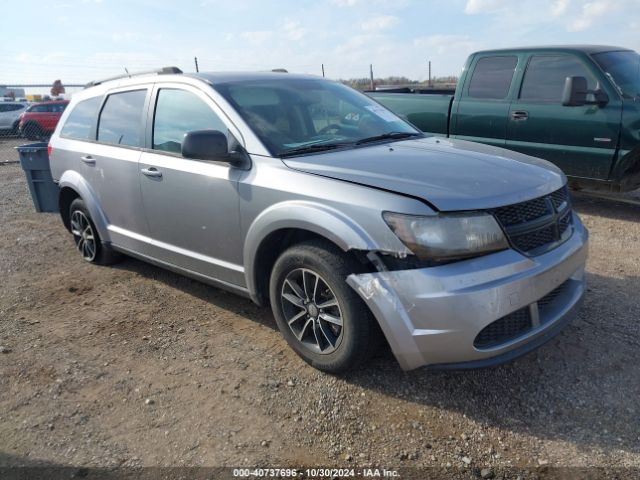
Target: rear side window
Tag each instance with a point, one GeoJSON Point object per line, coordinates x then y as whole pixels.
{"type": "Point", "coordinates": [58, 107]}
{"type": "Point", "coordinates": [11, 107]}
{"type": "Point", "coordinates": [545, 76]}
{"type": "Point", "coordinates": [121, 122]}
{"type": "Point", "coordinates": [81, 119]}
{"type": "Point", "coordinates": [492, 77]}
{"type": "Point", "coordinates": [179, 112]}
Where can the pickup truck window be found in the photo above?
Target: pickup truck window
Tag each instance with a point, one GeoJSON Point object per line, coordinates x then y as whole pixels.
{"type": "Point", "coordinates": [120, 122]}
{"type": "Point", "coordinates": [291, 114]}
{"type": "Point", "coordinates": [545, 76]}
{"type": "Point", "coordinates": [492, 77]}
{"type": "Point", "coordinates": [624, 67]}
{"type": "Point", "coordinates": [179, 112]}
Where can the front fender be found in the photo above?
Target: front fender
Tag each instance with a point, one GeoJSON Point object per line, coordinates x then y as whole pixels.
{"type": "Point", "coordinates": [75, 181]}
{"type": "Point", "coordinates": [626, 171]}
{"type": "Point", "coordinates": [303, 215]}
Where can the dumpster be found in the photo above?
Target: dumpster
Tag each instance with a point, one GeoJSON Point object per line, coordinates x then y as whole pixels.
{"type": "Point", "coordinates": [34, 160]}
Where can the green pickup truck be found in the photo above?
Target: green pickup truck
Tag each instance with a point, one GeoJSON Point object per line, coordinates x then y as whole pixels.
{"type": "Point", "coordinates": [576, 106]}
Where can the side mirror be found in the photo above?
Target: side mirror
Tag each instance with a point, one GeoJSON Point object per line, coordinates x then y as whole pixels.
{"type": "Point", "coordinates": [205, 145]}
{"type": "Point", "coordinates": [575, 93]}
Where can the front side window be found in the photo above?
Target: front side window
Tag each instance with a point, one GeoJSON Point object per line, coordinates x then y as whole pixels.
{"type": "Point", "coordinates": [624, 68]}
{"type": "Point", "coordinates": [292, 114]}
{"type": "Point", "coordinates": [546, 74]}
{"type": "Point", "coordinates": [178, 112]}
{"type": "Point", "coordinates": [492, 77]}
{"type": "Point", "coordinates": [81, 119]}
{"type": "Point", "coordinates": [121, 119]}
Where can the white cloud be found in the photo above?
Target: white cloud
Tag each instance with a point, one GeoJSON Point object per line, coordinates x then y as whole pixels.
{"type": "Point", "coordinates": [256, 37]}
{"type": "Point", "coordinates": [475, 7]}
{"type": "Point", "coordinates": [124, 36]}
{"type": "Point", "coordinates": [443, 43]}
{"type": "Point", "coordinates": [293, 30]}
{"type": "Point", "coordinates": [559, 7]}
{"type": "Point", "coordinates": [380, 22]}
{"type": "Point", "coordinates": [345, 3]}
{"type": "Point", "coordinates": [590, 12]}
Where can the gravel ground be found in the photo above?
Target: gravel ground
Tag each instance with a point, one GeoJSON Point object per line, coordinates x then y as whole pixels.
{"type": "Point", "coordinates": [8, 153]}
{"type": "Point", "coordinates": [135, 366]}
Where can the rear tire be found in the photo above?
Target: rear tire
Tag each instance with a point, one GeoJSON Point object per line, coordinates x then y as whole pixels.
{"type": "Point", "coordinates": [322, 318]}
{"type": "Point", "coordinates": [33, 131]}
{"type": "Point", "coordinates": [86, 237]}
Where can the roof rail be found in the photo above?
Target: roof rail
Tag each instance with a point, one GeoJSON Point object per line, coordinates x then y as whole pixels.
{"type": "Point", "coordinates": [160, 71]}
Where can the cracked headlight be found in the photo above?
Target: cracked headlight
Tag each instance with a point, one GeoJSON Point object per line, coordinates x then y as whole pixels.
{"type": "Point", "coordinates": [447, 237]}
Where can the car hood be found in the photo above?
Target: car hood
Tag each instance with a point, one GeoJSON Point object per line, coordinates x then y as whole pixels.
{"type": "Point", "coordinates": [449, 174]}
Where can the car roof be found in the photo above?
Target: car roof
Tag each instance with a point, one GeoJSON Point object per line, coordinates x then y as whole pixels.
{"type": "Point", "coordinates": [588, 49]}
{"type": "Point", "coordinates": [235, 77]}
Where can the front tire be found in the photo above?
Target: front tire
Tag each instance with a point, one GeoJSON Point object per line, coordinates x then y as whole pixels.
{"type": "Point", "coordinates": [86, 238]}
{"type": "Point", "coordinates": [322, 318]}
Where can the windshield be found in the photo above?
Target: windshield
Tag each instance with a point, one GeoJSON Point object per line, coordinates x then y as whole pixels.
{"type": "Point", "coordinates": [624, 68]}
{"type": "Point", "coordinates": [306, 115]}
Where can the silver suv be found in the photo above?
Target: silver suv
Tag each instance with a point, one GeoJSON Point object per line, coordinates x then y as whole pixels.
{"type": "Point", "coordinates": [10, 116]}
{"type": "Point", "coordinates": [304, 194]}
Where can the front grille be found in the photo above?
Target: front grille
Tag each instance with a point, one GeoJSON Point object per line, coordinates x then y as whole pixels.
{"type": "Point", "coordinates": [519, 323]}
{"type": "Point", "coordinates": [546, 302]}
{"type": "Point", "coordinates": [505, 329]}
{"type": "Point", "coordinates": [536, 226]}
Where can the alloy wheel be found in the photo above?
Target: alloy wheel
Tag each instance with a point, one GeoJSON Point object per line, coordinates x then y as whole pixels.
{"type": "Point", "coordinates": [312, 311]}
{"type": "Point", "coordinates": [83, 235]}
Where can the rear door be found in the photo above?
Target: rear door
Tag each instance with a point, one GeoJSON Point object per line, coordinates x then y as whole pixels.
{"type": "Point", "coordinates": [581, 140]}
{"type": "Point", "coordinates": [5, 116]}
{"type": "Point", "coordinates": [481, 113]}
{"type": "Point", "coordinates": [191, 206]}
{"type": "Point", "coordinates": [110, 164]}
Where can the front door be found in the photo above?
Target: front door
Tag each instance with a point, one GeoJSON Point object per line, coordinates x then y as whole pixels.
{"type": "Point", "coordinates": [191, 206]}
{"type": "Point", "coordinates": [580, 140]}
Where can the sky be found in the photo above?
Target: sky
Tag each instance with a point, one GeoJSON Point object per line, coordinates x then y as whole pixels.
{"type": "Point", "coordinates": [80, 40]}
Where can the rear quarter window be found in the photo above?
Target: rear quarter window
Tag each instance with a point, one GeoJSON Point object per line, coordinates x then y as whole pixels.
{"type": "Point", "coordinates": [80, 122]}
{"type": "Point", "coordinates": [492, 77]}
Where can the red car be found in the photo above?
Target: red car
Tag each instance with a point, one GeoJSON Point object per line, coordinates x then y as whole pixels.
{"type": "Point", "coordinates": [40, 119]}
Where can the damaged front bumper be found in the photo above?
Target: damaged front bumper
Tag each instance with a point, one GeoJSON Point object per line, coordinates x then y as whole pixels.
{"type": "Point", "coordinates": [437, 316]}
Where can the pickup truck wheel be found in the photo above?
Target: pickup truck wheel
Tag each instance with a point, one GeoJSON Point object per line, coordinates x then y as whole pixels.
{"type": "Point", "coordinates": [86, 236]}
{"type": "Point", "coordinates": [321, 317]}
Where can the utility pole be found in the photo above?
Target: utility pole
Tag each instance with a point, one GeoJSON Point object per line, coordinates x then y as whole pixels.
{"type": "Point", "coordinates": [195, 59]}
{"type": "Point", "coordinates": [373, 85]}
{"type": "Point", "coordinates": [429, 72]}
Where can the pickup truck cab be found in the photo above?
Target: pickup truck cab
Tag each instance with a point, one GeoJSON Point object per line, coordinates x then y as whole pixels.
{"type": "Point", "coordinates": [307, 195]}
{"type": "Point", "coordinates": [576, 106]}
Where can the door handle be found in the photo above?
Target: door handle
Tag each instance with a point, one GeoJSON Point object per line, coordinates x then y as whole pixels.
{"type": "Point", "coordinates": [88, 159]}
{"type": "Point", "coordinates": [519, 115]}
{"type": "Point", "coordinates": [151, 172]}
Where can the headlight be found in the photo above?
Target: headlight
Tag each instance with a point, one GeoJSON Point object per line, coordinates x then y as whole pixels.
{"type": "Point", "coordinates": [448, 236]}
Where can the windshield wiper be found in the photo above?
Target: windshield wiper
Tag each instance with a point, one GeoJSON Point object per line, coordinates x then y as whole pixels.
{"type": "Point", "coordinates": [389, 136]}
{"type": "Point", "coordinates": [313, 148]}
